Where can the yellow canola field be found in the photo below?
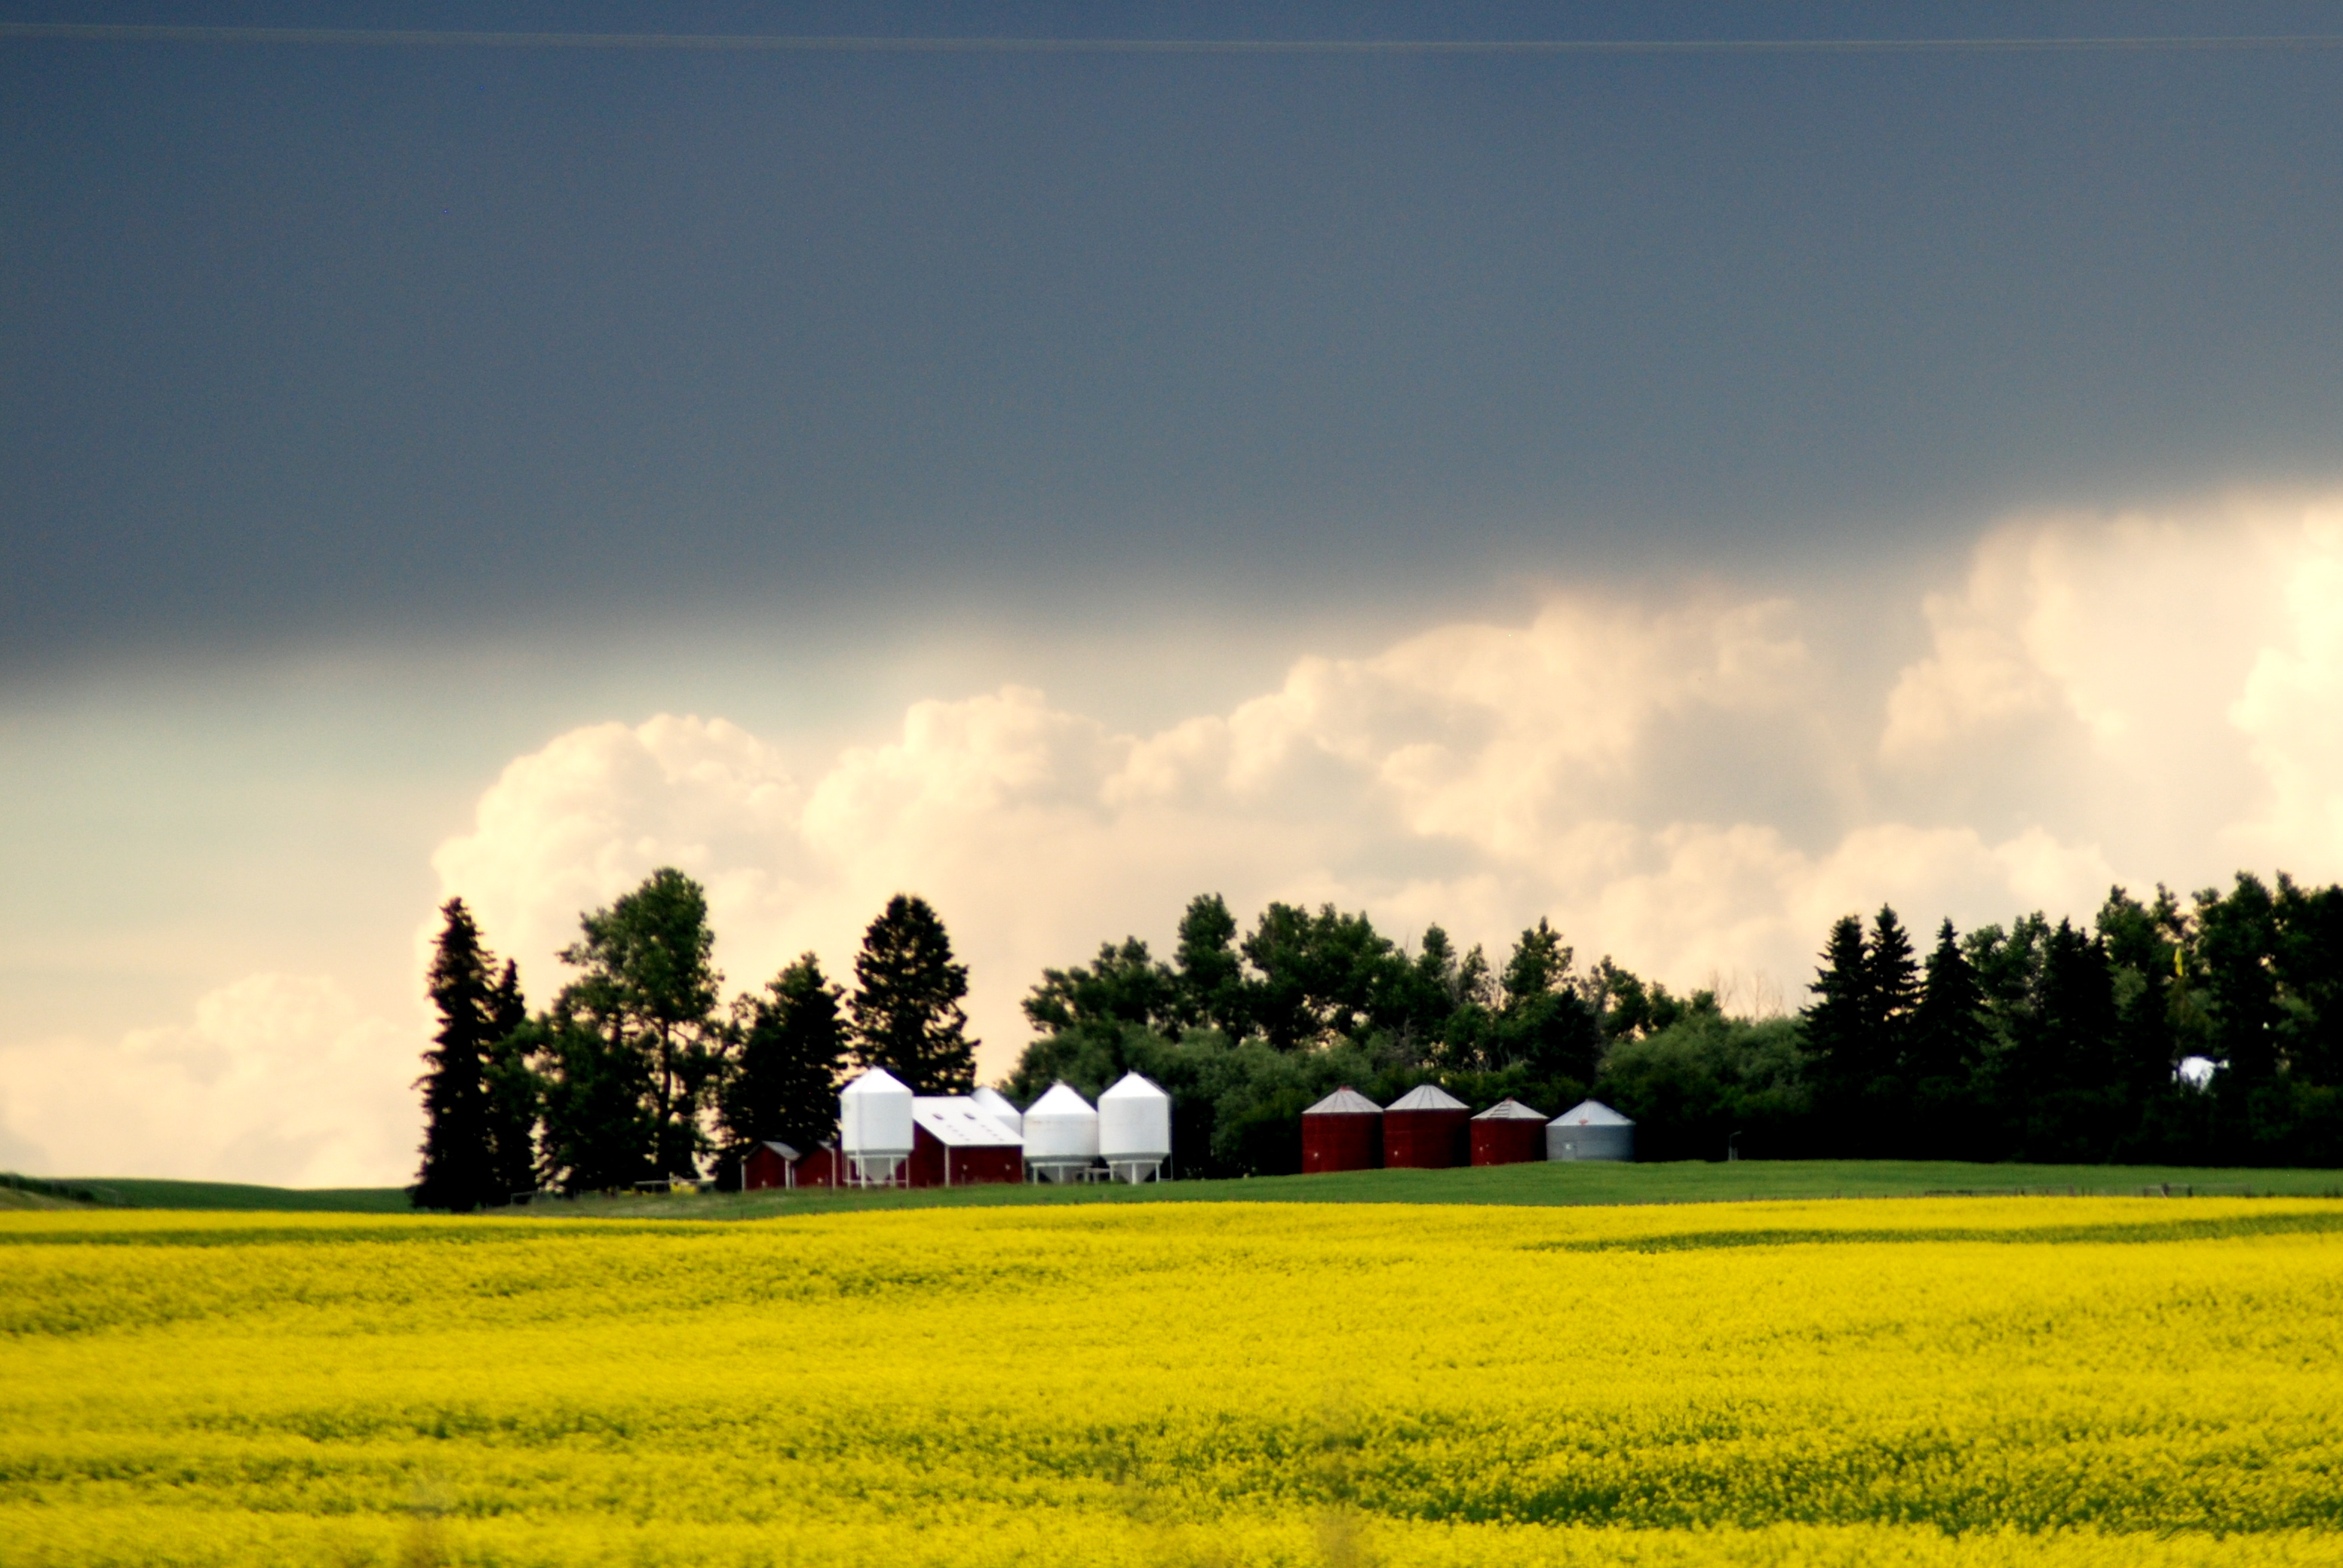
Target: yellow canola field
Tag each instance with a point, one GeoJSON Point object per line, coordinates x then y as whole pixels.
{"type": "Point", "coordinates": [1926, 1382]}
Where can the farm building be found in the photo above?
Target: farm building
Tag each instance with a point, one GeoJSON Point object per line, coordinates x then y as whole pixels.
{"type": "Point", "coordinates": [1343, 1131]}
{"type": "Point", "coordinates": [1062, 1136]}
{"type": "Point", "coordinates": [1508, 1133]}
{"type": "Point", "coordinates": [768, 1164]}
{"type": "Point", "coordinates": [1589, 1131]}
{"type": "Point", "coordinates": [874, 1127]}
{"type": "Point", "coordinates": [955, 1143]}
{"type": "Point", "coordinates": [1425, 1129]}
{"type": "Point", "coordinates": [1134, 1130]}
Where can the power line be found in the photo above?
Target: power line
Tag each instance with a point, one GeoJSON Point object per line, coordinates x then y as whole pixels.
{"type": "Point", "coordinates": [755, 43]}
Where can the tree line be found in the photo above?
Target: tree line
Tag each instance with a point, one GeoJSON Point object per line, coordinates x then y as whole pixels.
{"type": "Point", "coordinates": [2030, 1041]}
{"type": "Point", "coordinates": [2033, 1040]}
{"type": "Point", "coordinates": [637, 1072]}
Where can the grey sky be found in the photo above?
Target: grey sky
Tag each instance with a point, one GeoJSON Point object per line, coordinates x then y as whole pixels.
{"type": "Point", "coordinates": [309, 341]}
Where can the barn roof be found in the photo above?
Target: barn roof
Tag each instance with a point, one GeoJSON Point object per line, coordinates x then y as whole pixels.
{"type": "Point", "coordinates": [1345, 1102]}
{"type": "Point", "coordinates": [956, 1122]}
{"type": "Point", "coordinates": [1510, 1111]}
{"type": "Point", "coordinates": [1427, 1097]}
{"type": "Point", "coordinates": [1593, 1113]}
{"type": "Point", "coordinates": [783, 1149]}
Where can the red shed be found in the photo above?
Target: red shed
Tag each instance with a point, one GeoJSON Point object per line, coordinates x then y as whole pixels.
{"type": "Point", "coordinates": [956, 1142]}
{"type": "Point", "coordinates": [1343, 1131]}
{"type": "Point", "coordinates": [1508, 1133]}
{"type": "Point", "coordinates": [1424, 1130]}
{"type": "Point", "coordinates": [825, 1167]}
{"type": "Point", "coordinates": [768, 1164]}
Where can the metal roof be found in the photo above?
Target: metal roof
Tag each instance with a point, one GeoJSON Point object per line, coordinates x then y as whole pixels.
{"type": "Point", "coordinates": [1593, 1113]}
{"type": "Point", "coordinates": [956, 1122]}
{"type": "Point", "coordinates": [1510, 1111]}
{"type": "Point", "coordinates": [783, 1149]}
{"type": "Point", "coordinates": [1345, 1102]}
{"type": "Point", "coordinates": [1427, 1097]}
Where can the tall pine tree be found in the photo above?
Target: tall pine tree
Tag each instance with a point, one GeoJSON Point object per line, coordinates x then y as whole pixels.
{"type": "Point", "coordinates": [1947, 1044]}
{"type": "Point", "coordinates": [458, 1169]}
{"type": "Point", "coordinates": [907, 1001]}
{"type": "Point", "coordinates": [790, 1049]}
{"type": "Point", "coordinates": [1838, 1021]}
{"type": "Point", "coordinates": [514, 1095]}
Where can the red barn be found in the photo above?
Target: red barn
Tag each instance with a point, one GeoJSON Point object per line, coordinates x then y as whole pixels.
{"type": "Point", "coordinates": [1343, 1131]}
{"type": "Point", "coordinates": [768, 1164]}
{"type": "Point", "coordinates": [1425, 1129]}
{"type": "Point", "coordinates": [825, 1167]}
{"type": "Point", "coordinates": [956, 1142]}
{"type": "Point", "coordinates": [1508, 1133]}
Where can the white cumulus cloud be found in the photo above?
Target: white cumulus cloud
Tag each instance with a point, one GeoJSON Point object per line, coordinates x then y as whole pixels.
{"type": "Point", "coordinates": [276, 1078]}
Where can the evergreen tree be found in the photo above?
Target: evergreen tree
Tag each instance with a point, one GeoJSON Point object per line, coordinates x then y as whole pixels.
{"type": "Point", "coordinates": [514, 1094]}
{"type": "Point", "coordinates": [2236, 953]}
{"type": "Point", "coordinates": [457, 1171]}
{"type": "Point", "coordinates": [907, 1001]}
{"type": "Point", "coordinates": [648, 989]}
{"type": "Point", "coordinates": [1895, 989]}
{"type": "Point", "coordinates": [1838, 1022]}
{"type": "Point", "coordinates": [2142, 947]}
{"type": "Point", "coordinates": [1948, 1042]}
{"type": "Point", "coordinates": [783, 1086]}
{"type": "Point", "coordinates": [2070, 1055]}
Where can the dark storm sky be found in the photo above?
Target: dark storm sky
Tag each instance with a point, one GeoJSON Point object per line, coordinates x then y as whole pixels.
{"type": "Point", "coordinates": [319, 340]}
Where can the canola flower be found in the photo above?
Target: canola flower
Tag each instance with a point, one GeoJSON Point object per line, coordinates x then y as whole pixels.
{"type": "Point", "coordinates": [1924, 1382]}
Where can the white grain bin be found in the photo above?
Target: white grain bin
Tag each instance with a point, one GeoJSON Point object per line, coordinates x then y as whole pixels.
{"type": "Point", "coordinates": [1590, 1130]}
{"type": "Point", "coordinates": [874, 1127]}
{"type": "Point", "coordinates": [1062, 1136]}
{"type": "Point", "coordinates": [1134, 1130]}
{"type": "Point", "coordinates": [995, 1104]}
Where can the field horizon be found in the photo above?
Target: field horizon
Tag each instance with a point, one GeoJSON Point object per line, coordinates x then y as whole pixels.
{"type": "Point", "coordinates": [1558, 1183]}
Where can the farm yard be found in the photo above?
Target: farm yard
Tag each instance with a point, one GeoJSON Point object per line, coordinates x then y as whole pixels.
{"type": "Point", "coordinates": [1942, 1381]}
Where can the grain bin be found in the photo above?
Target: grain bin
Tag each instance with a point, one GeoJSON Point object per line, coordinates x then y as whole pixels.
{"type": "Point", "coordinates": [1343, 1131]}
{"type": "Point", "coordinates": [997, 1105]}
{"type": "Point", "coordinates": [874, 1127]}
{"type": "Point", "coordinates": [1425, 1129]}
{"type": "Point", "coordinates": [1134, 1128]}
{"type": "Point", "coordinates": [1589, 1131]}
{"type": "Point", "coordinates": [1508, 1133]}
{"type": "Point", "coordinates": [1062, 1136]}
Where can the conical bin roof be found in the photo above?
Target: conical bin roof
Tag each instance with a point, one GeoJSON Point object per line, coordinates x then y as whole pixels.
{"type": "Point", "coordinates": [1427, 1097]}
{"type": "Point", "coordinates": [1345, 1102]}
{"type": "Point", "coordinates": [997, 1105]}
{"type": "Point", "coordinates": [1510, 1111]}
{"type": "Point", "coordinates": [1593, 1113]}
{"type": "Point", "coordinates": [1061, 1127]}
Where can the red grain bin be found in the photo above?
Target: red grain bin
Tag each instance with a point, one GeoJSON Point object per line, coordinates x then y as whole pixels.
{"type": "Point", "coordinates": [1425, 1129]}
{"type": "Point", "coordinates": [1343, 1131]}
{"type": "Point", "coordinates": [1508, 1133]}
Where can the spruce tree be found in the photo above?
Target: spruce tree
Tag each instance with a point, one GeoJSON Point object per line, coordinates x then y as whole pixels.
{"type": "Point", "coordinates": [790, 1050]}
{"type": "Point", "coordinates": [514, 1095]}
{"type": "Point", "coordinates": [1838, 1022]}
{"type": "Point", "coordinates": [907, 1001]}
{"type": "Point", "coordinates": [457, 1171]}
{"type": "Point", "coordinates": [1947, 1044]}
